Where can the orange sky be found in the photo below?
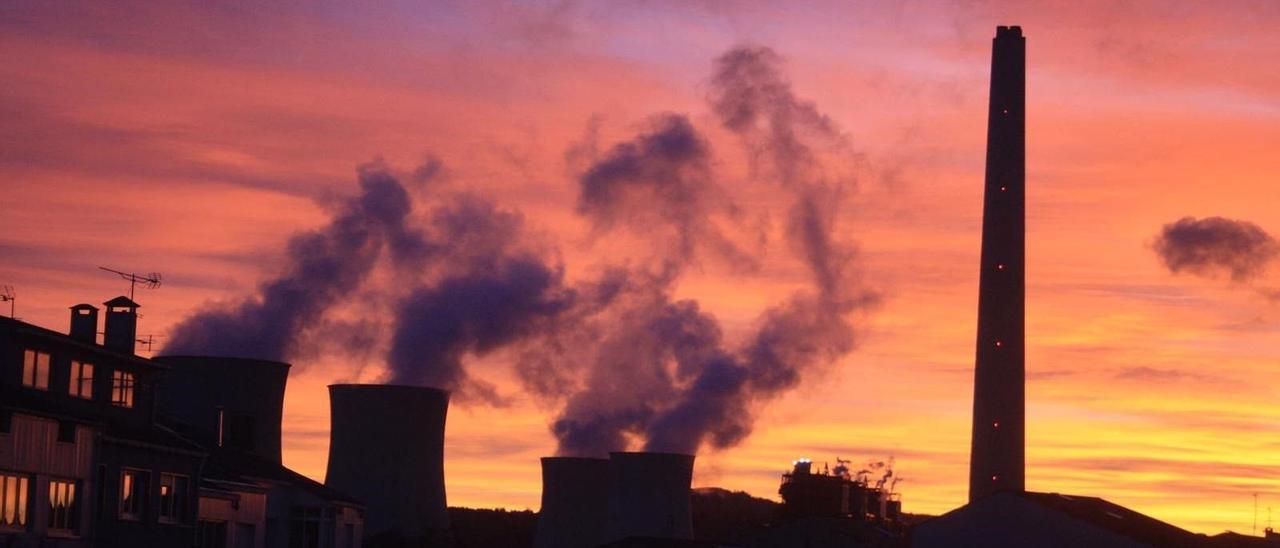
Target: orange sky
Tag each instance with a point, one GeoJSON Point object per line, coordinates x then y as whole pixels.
{"type": "Point", "coordinates": [194, 141]}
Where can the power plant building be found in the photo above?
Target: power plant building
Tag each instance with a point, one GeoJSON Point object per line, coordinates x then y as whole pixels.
{"type": "Point", "coordinates": [101, 447]}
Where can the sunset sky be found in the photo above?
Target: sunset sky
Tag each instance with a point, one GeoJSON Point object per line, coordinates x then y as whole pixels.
{"type": "Point", "coordinates": [194, 141]}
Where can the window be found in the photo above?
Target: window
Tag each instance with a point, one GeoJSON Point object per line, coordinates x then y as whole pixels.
{"type": "Point", "coordinates": [306, 524]}
{"type": "Point", "coordinates": [64, 506]}
{"type": "Point", "coordinates": [211, 534]}
{"type": "Point", "coordinates": [13, 501]}
{"type": "Point", "coordinates": [122, 388]}
{"type": "Point", "coordinates": [81, 380]}
{"type": "Point", "coordinates": [133, 493]}
{"type": "Point", "coordinates": [35, 369]}
{"type": "Point", "coordinates": [173, 498]}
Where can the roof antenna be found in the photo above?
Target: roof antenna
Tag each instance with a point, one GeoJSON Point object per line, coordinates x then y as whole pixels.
{"type": "Point", "coordinates": [7, 294]}
{"type": "Point", "coordinates": [150, 281]}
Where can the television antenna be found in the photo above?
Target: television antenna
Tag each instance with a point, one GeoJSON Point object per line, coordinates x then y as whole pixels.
{"type": "Point", "coordinates": [150, 281]}
{"type": "Point", "coordinates": [7, 294]}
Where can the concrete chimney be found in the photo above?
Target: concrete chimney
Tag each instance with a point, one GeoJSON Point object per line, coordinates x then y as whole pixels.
{"type": "Point", "coordinates": [649, 496]}
{"type": "Point", "coordinates": [575, 503]}
{"type": "Point", "coordinates": [235, 403]}
{"type": "Point", "coordinates": [997, 458]}
{"type": "Point", "coordinates": [386, 449]}
{"type": "Point", "coordinates": [84, 323]}
{"type": "Point", "coordinates": [121, 331]}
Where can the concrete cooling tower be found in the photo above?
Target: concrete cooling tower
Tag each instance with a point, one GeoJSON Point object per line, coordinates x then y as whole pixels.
{"type": "Point", "coordinates": [386, 449]}
{"type": "Point", "coordinates": [649, 496]}
{"type": "Point", "coordinates": [235, 403]}
{"type": "Point", "coordinates": [575, 502]}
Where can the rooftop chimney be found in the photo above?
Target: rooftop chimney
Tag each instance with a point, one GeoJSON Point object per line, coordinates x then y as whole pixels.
{"type": "Point", "coordinates": [997, 457]}
{"type": "Point", "coordinates": [575, 502]}
{"type": "Point", "coordinates": [235, 403]}
{"type": "Point", "coordinates": [386, 449]}
{"type": "Point", "coordinates": [121, 331]}
{"type": "Point", "coordinates": [84, 323]}
{"type": "Point", "coordinates": [649, 496]}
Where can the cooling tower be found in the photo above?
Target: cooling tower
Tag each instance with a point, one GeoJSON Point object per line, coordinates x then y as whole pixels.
{"type": "Point", "coordinates": [386, 449]}
{"type": "Point", "coordinates": [575, 502]}
{"type": "Point", "coordinates": [649, 496]}
{"type": "Point", "coordinates": [227, 402]}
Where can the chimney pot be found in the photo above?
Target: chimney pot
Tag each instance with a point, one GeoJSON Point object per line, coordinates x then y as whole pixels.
{"type": "Point", "coordinates": [121, 330]}
{"type": "Point", "coordinates": [84, 323]}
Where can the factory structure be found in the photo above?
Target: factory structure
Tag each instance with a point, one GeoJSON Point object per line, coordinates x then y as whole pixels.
{"type": "Point", "coordinates": [100, 447]}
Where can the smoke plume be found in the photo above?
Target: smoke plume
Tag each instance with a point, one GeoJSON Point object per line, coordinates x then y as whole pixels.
{"type": "Point", "coordinates": [1214, 245]}
{"type": "Point", "coordinates": [663, 371]}
{"type": "Point", "coordinates": [322, 267]}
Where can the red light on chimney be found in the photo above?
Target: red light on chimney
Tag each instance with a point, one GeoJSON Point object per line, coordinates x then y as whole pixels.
{"type": "Point", "coordinates": [995, 424]}
{"type": "Point", "coordinates": [1004, 189]}
{"type": "Point", "coordinates": [994, 478]}
{"type": "Point", "coordinates": [1005, 111]}
{"type": "Point", "coordinates": [999, 344]}
{"type": "Point", "coordinates": [1000, 266]}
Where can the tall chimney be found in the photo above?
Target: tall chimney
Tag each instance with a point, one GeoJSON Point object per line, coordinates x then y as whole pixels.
{"type": "Point", "coordinates": [121, 330]}
{"type": "Point", "coordinates": [649, 496]}
{"type": "Point", "coordinates": [386, 449]}
{"type": "Point", "coordinates": [233, 403]}
{"type": "Point", "coordinates": [84, 323]}
{"type": "Point", "coordinates": [997, 457]}
{"type": "Point", "coordinates": [575, 502]}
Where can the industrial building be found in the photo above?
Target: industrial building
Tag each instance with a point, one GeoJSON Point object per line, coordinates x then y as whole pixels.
{"type": "Point", "coordinates": [101, 447]}
{"type": "Point", "coordinates": [386, 448]}
{"type": "Point", "coordinates": [1001, 512]}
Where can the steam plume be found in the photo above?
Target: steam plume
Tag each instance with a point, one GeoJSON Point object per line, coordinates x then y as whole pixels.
{"type": "Point", "coordinates": [323, 265]}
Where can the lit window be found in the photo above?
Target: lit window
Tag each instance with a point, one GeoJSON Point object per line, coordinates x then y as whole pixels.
{"type": "Point", "coordinates": [64, 506]}
{"type": "Point", "coordinates": [35, 369]}
{"type": "Point", "coordinates": [13, 501]}
{"type": "Point", "coordinates": [81, 383]}
{"type": "Point", "coordinates": [133, 493]}
{"type": "Point", "coordinates": [122, 388]}
{"type": "Point", "coordinates": [173, 498]}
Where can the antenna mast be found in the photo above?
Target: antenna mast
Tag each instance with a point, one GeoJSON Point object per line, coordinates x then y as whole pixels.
{"type": "Point", "coordinates": [7, 294]}
{"type": "Point", "coordinates": [150, 281]}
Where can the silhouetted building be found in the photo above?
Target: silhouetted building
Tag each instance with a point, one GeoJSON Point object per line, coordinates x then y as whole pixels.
{"type": "Point", "coordinates": [1010, 519]}
{"type": "Point", "coordinates": [82, 460]}
{"type": "Point", "coordinates": [575, 502]}
{"type": "Point", "coordinates": [233, 407]}
{"type": "Point", "coordinates": [386, 448]}
{"type": "Point", "coordinates": [840, 493]}
{"type": "Point", "coordinates": [649, 496]}
{"type": "Point", "coordinates": [996, 460]}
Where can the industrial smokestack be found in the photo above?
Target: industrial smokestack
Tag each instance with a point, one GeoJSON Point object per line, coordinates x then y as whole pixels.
{"type": "Point", "coordinates": [575, 502]}
{"type": "Point", "coordinates": [386, 449]}
{"type": "Point", "coordinates": [649, 496]}
{"type": "Point", "coordinates": [997, 458]}
{"type": "Point", "coordinates": [234, 403]}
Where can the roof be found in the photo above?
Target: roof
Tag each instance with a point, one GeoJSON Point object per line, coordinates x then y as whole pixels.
{"type": "Point", "coordinates": [995, 511]}
{"type": "Point", "coordinates": [233, 464]}
{"type": "Point", "coordinates": [64, 339]}
{"type": "Point", "coordinates": [1117, 519]}
{"type": "Point", "coordinates": [122, 301]}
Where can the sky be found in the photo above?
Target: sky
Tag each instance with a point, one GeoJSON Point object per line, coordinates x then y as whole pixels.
{"type": "Point", "coordinates": [196, 140]}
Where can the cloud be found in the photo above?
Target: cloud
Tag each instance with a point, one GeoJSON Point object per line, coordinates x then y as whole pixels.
{"type": "Point", "coordinates": [1209, 246]}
